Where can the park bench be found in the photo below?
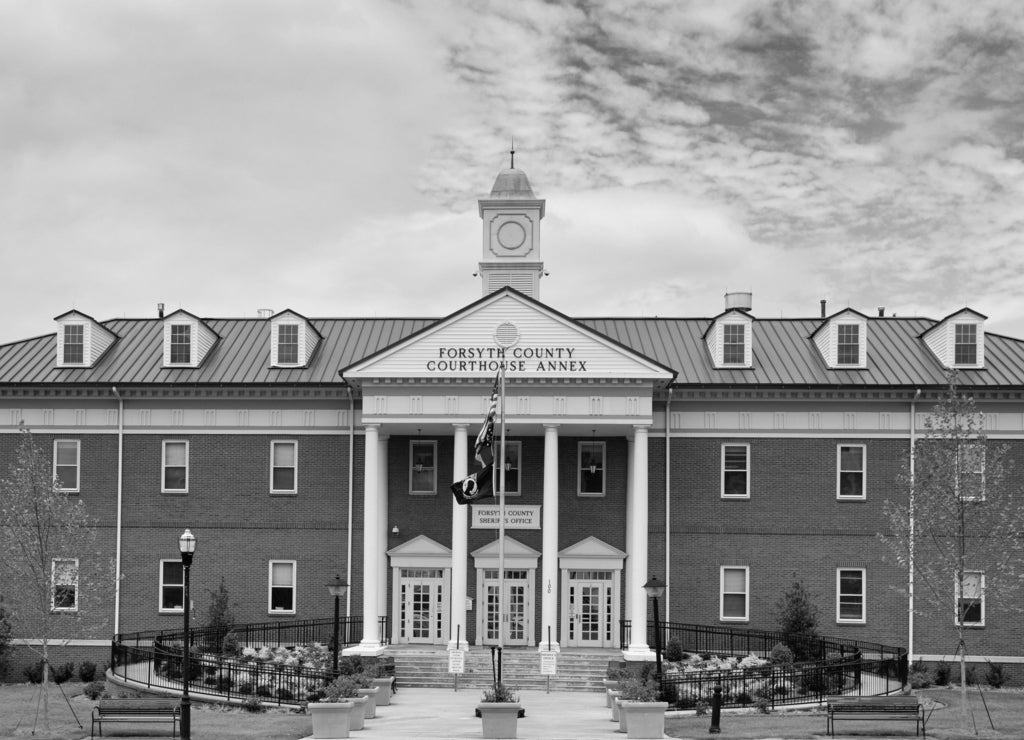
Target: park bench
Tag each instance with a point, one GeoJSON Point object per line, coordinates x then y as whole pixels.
{"type": "Point", "coordinates": [875, 708]}
{"type": "Point", "coordinates": [136, 710]}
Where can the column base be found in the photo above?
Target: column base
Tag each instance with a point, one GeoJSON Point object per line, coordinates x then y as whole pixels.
{"type": "Point", "coordinates": [365, 648]}
{"type": "Point", "coordinates": [463, 645]}
{"type": "Point", "coordinates": [543, 646]}
{"type": "Point", "coordinates": [639, 653]}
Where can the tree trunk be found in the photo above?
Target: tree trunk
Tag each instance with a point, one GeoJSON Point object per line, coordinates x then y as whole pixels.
{"type": "Point", "coordinates": [45, 686]}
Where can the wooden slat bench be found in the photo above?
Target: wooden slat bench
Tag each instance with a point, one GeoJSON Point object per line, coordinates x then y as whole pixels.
{"type": "Point", "coordinates": [875, 708]}
{"type": "Point", "coordinates": [136, 710]}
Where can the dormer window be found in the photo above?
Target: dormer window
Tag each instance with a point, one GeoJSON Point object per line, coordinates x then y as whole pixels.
{"type": "Point", "coordinates": [287, 344]}
{"type": "Point", "coordinates": [181, 344]}
{"type": "Point", "coordinates": [848, 344]}
{"type": "Point", "coordinates": [965, 344]}
{"type": "Point", "coordinates": [728, 339]}
{"type": "Point", "coordinates": [958, 341]}
{"type": "Point", "coordinates": [734, 344]}
{"type": "Point", "coordinates": [74, 344]}
{"type": "Point", "coordinates": [842, 340]}
{"type": "Point", "coordinates": [293, 340]}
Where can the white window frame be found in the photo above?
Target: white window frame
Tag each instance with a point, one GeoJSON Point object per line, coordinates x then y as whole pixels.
{"type": "Point", "coordinates": [298, 344]}
{"type": "Point", "coordinates": [54, 584]}
{"type": "Point", "coordinates": [603, 467]}
{"type": "Point", "coordinates": [981, 601]}
{"type": "Point", "coordinates": [294, 467]}
{"type": "Point", "coordinates": [78, 464]}
{"type": "Point", "coordinates": [722, 593]}
{"type": "Point", "coordinates": [746, 471]}
{"type": "Point", "coordinates": [859, 362]}
{"type": "Point", "coordinates": [413, 443]}
{"type": "Point", "coordinates": [160, 594]}
{"type": "Point", "coordinates": [954, 344]}
{"type": "Point", "coordinates": [974, 453]}
{"type": "Point", "coordinates": [518, 447]}
{"type": "Point", "coordinates": [742, 362]}
{"type": "Point", "coordinates": [863, 472]}
{"type": "Point", "coordinates": [64, 344]}
{"type": "Point", "coordinates": [171, 344]}
{"type": "Point", "coordinates": [862, 619]}
{"type": "Point", "coordinates": [270, 586]}
{"type": "Point", "coordinates": [163, 466]}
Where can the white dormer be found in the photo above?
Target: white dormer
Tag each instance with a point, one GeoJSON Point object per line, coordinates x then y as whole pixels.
{"type": "Point", "coordinates": [842, 340]}
{"type": "Point", "coordinates": [293, 340]}
{"type": "Point", "coordinates": [81, 340]}
{"type": "Point", "coordinates": [187, 340]}
{"type": "Point", "coordinates": [730, 340]}
{"type": "Point", "coordinates": [958, 341]}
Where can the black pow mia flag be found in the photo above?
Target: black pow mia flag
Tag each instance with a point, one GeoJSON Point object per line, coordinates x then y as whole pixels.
{"type": "Point", "coordinates": [479, 485]}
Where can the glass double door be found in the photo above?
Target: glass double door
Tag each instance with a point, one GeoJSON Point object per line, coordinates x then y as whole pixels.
{"type": "Point", "coordinates": [507, 617]}
{"type": "Point", "coordinates": [422, 605]}
{"type": "Point", "coordinates": [589, 609]}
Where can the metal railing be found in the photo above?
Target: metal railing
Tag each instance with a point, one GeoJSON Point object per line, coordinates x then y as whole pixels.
{"type": "Point", "coordinates": [154, 659]}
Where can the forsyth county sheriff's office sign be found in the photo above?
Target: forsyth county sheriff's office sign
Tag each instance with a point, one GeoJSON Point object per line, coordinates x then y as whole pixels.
{"type": "Point", "coordinates": [515, 360]}
{"type": "Point", "coordinates": [516, 516]}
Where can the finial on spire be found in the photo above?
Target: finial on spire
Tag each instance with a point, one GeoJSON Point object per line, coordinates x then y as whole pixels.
{"type": "Point", "coordinates": [512, 151]}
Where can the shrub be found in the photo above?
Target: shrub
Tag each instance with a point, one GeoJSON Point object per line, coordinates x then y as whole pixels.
{"type": "Point", "coordinates": [285, 694]}
{"type": "Point", "coordinates": [230, 646]}
{"type": "Point", "coordinates": [225, 683]}
{"type": "Point", "coordinates": [34, 672]}
{"type": "Point", "coordinates": [245, 687]}
{"type": "Point", "coordinates": [763, 705]}
{"type": "Point", "coordinates": [942, 673]}
{"type": "Point", "coordinates": [87, 671]}
{"type": "Point", "coordinates": [95, 689]}
{"type": "Point", "coordinates": [797, 616]}
{"type": "Point", "coordinates": [638, 688]}
{"type": "Point", "coordinates": [781, 654]}
{"type": "Point", "coordinates": [743, 698]}
{"type": "Point", "coordinates": [264, 690]}
{"type": "Point", "coordinates": [252, 704]}
{"type": "Point", "coordinates": [219, 618]}
{"type": "Point", "coordinates": [702, 708]}
{"type": "Point", "coordinates": [919, 677]}
{"type": "Point", "coordinates": [970, 677]}
{"type": "Point", "coordinates": [994, 675]}
{"type": "Point", "coordinates": [6, 636]}
{"type": "Point", "coordinates": [500, 693]}
{"type": "Point", "coordinates": [674, 650]}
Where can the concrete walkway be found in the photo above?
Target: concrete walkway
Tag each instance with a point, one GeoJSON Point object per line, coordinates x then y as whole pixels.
{"type": "Point", "coordinates": [416, 713]}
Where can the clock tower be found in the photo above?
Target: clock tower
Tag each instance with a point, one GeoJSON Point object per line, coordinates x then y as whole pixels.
{"type": "Point", "coordinates": [511, 244]}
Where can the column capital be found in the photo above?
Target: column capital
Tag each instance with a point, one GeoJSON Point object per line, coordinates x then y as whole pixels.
{"type": "Point", "coordinates": [460, 425]}
{"type": "Point", "coordinates": [551, 425]}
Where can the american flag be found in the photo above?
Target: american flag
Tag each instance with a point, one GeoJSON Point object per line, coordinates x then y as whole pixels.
{"type": "Point", "coordinates": [484, 440]}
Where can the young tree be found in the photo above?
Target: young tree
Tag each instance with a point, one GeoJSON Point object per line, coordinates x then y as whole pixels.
{"type": "Point", "coordinates": [52, 573]}
{"type": "Point", "coordinates": [797, 615]}
{"type": "Point", "coordinates": [960, 530]}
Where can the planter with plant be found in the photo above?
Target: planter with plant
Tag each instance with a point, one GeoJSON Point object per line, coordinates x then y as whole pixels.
{"type": "Point", "coordinates": [641, 714]}
{"type": "Point", "coordinates": [333, 713]}
{"type": "Point", "coordinates": [367, 689]}
{"type": "Point", "coordinates": [500, 711]}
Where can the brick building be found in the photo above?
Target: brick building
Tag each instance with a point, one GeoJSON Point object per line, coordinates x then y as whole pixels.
{"type": "Point", "coordinates": [727, 455]}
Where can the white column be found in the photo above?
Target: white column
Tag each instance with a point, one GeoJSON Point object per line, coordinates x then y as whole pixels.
{"type": "Point", "coordinates": [549, 553]}
{"type": "Point", "coordinates": [370, 644]}
{"type": "Point", "coordinates": [382, 523]}
{"type": "Point", "coordinates": [630, 467]}
{"type": "Point", "coordinates": [460, 543]}
{"type": "Point", "coordinates": [636, 596]}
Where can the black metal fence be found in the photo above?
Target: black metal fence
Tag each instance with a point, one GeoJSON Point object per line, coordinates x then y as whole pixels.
{"type": "Point", "coordinates": [154, 658]}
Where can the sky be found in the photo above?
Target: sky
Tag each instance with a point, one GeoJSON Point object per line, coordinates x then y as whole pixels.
{"type": "Point", "coordinates": [226, 156]}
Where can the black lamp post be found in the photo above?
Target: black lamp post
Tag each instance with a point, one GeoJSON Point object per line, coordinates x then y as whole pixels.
{"type": "Point", "coordinates": [337, 589]}
{"type": "Point", "coordinates": [187, 547]}
{"type": "Point", "coordinates": [655, 589]}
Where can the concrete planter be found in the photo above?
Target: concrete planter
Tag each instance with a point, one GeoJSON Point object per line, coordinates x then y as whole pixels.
{"type": "Point", "coordinates": [370, 708]}
{"type": "Point", "coordinates": [646, 719]}
{"type": "Point", "coordinates": [358, 713]}
{"type": "Point", "coordinates": [330, 719]}
{"type": "Point", "coordinates": [384, 684]}
{"type": "Point", "coordinates": [609, 686]}
{"type": "Point", "coordinates": [500, 719]}
{"type": "Point", "coordinates": [613, 696]}
{"type": "Point", "coordinates": [623, 713]}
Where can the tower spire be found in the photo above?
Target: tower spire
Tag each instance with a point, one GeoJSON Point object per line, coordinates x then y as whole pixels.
{"type": "Point", "coordinates": [512, 151]}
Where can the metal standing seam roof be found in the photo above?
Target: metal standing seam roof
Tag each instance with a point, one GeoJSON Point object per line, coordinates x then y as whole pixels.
{"type": "Point", "coordinates": [783, 354]}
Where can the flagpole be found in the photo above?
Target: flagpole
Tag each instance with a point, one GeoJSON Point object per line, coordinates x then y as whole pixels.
{"type": "Point", "coordinates": [501, 522]}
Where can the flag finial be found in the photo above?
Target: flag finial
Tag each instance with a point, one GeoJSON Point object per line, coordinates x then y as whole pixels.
{"type": "Point", "coordinates": [512, 151]}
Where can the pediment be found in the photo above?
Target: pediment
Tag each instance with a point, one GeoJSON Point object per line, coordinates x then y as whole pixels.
{"type": "Point", "coordinates": [591, 547]}
{"type": "Point", "coordinates": [420, 546]}
{"type": "Point", "coordinates": [548, 345]}
{"type": "Point", "coordinates": [513, 549]}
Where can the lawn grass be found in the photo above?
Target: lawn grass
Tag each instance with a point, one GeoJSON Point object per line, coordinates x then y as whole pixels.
{"type": "Point", "coordinates": [1005, 706]}
{"type": "Point", "coordinates": [18, 704]}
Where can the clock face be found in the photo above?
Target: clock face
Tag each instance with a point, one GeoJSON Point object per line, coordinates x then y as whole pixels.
{"type": "Point", "coordinates": [511, 235]}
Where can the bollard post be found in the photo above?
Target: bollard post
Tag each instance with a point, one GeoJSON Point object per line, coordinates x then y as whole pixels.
{"type": "Point", "coordinates": [716, 710]}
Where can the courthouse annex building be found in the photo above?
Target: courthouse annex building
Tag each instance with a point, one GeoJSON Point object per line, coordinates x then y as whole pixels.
{"type": "Point", "coordinates": [728, 455]}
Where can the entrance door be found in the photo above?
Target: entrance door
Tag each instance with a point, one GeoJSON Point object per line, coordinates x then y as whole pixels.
{"type": "Point", "coordinates": [514, 624]}
{"type": "Point", "coordinates": [590, 604]}
{"type": "Point", "coordinates": [422, 605]}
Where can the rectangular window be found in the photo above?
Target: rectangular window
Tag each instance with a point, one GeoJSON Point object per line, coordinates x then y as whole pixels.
{"type": "Point", "coordinates": [734, 345]}
{"type": "Point", "coordinates": [181, 344]}
{"type": "Point", "coordinates": [972, 472]}
{"type": "Point", "coordinates": [66, 458]}
{"type": "Point", "coordinates": [423, 467]}
{"type": "Point", "coordinates": [172, 586]}
{"type": "Point", "coordinates": [850, 595]}
{"type": "Point", "coordinates": [288, 344]}
{"type": "Point", "coordinates": [851, 469]}
{"type": "Point", "coordinates": [283, 467]}
{"type": "Point", "coordinates": [282, 587]}
{"type": "Point", "coordinates": [175, 467]}
{"type": "Point", "coordinates": [971, 603]}
{"type": "Point", "coordinates": [591, 462]}
{"type": "Point", "coordinates": [965, 344]}
{"type": "Point", "coordinates": [735, 582]}
{"type": "Point", "coordinates": [74, 344]}
{"type": "Point", "coordinates": [64, 585]}
{"type": "Point", "coordinates": [513, 451]}
{"type": "Point", "coordinates": [848, 345]}
{"type": "Point", "coordinates": [735, 471]}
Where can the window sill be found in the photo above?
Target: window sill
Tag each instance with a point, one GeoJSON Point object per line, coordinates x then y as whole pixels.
{"type": "Point", "coordinates": [581, 494]}
{"type": "Point", "coordinates": [280, 613]}
{"type": "Point", "coordinates": [852, 622]}
{"type": "Point", "coordinates": [284, 493]}
{"type": "Point", "coordinates": [174, 493]}
{"type": "Point", "coordinates": [172, 612]}
{"type": "Point", "coordinates": [422, 493]}
{"type": "Point", "coordinates": [735, 498]}
{"type": "Point", "coordinates": [734, 620]}
{"type": "Point", "coordinates": [851, 498]}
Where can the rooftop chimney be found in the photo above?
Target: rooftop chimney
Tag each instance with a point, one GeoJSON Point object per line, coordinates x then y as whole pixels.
{"type": "Point", "coordinates": [822, 308]}
{"type": "Point", "coordinates": [742, 301]}
{"type": "Point", "coordinates": [160, 310]}
{"type": "Point", "coordinates": [881, 310]}
{"type": "Point", "coordinates": [264, 313]}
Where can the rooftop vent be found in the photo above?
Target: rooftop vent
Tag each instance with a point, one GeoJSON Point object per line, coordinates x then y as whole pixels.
{"type": "Point", "coordinates": [264, 313]}
{"type": "Point", "coordinates": [742, 301]}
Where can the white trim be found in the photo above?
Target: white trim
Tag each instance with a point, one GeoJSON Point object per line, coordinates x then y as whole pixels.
{"type": "Point", "coordinates": [78, 464]}
{"type": "Point", "coordinates": [579, 468]}
{"type": "Point", "coordinates": [163, 466]}
{"type": "Point", "coordinates": [722, 593]}
{"type": "Point", "coordinates": [862, 342]}
{"type": "Point", "coordinates": [746, 470]}
{"type": "Point", "coordinates": [62, 642]}
{"type": "Point", "coordinates": [160, 594]}
{"type": "Point", "coordinates": [276, 344]}
{"type": "Point", "coordinates": [935, 657]}
{"type": "Point", "coordinates": [863, 472]}
{"type": "Point", "coordinates": [295, 467]}
{"type": "Point", "coordinates": [863, 618]}
{"type": "Point", "coordinates": [270, 586]}
{"type": "Point", "coordinates": [424, 442]}
{"type": "Point", "coordinates": [53, 586]}
{"type": "Point", "coordinates": [956, 599]}
{"type": "Point", "coordinates": [518, 445]}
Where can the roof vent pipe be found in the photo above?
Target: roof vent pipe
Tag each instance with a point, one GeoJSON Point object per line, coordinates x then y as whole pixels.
{"type": "Point", "coordinates": [881, 310]}
{"type": "Point", "coordinates": [160, 310]}
{"type": "Point", "coordinates": [822, 308]}
{"type": "Point", "coordinates": [742, 301]}
{"type": "Point", "coordinates": [264, 313]}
